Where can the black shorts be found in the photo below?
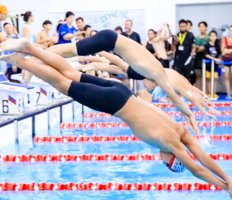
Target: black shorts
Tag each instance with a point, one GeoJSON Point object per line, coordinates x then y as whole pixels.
{"type": "Point", "coordinates": [165, 63]}
{"type": "Point", "coordinates": [103, 41]}
{"type": "Point", "coordinates": [100, 94]}
{"type": "Point", "coordinates": [198, 63]}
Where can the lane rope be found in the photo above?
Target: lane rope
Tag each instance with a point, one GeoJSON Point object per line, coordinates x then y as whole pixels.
{"type": "Point", "coordinates": [197, 113]}
{"type": "Point", "coordinates": [124, 125]}
{"type": "Point", "coordinates": [90, 139]}
{"type": "Point", "coordinates": [93, 157]}
{"type": "Point", "coordinates": [215, 105]}
{"type": "Point", "coordinates": [8, 186]}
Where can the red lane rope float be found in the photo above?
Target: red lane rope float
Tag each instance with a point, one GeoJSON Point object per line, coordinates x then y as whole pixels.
{"type": "Point", "coordinates": [108, 186]}
{"type": "Point", "coordinates": [169, 105]}
{"type": "Point", "coordinates": [124, 125]}
{"type": "Point", "coordinates": [79, 139]}
{"type": "Point", "coordinates": [92, 157]}
{"type": "Point", "coordinates": [198, 113]}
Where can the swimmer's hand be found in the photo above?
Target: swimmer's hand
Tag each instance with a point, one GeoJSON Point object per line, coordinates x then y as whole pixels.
{"type": "Point", "coordinates": [213, 111]}
{"type": "Point", "coordinates": [229, 183]}
{"type": "Point", "coordinates": [211, 115]}
{"type": "Point", "coordinates": [192, 121]}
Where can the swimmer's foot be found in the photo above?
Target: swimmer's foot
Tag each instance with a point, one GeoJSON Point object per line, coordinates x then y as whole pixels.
{"type": "Point", "coordinates": [27, 77]}
{"type": "Point", "coordinates": [19, 45]}
{"type": "Point", "coordinates": [13, 59]}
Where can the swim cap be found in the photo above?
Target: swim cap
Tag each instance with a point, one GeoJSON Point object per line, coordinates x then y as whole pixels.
{"type": "Point", "coordinates": [3, 9]}
{"type": "Point", "coordinates": [175, 165]}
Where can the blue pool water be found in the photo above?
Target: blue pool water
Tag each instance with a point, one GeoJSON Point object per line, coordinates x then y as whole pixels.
{"type": "Point", "coordinates": [135, 171]}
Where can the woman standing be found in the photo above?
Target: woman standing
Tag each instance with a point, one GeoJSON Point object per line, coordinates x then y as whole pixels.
{"type": "Point", "coordinates": [212, 51]}
{"type": "Point", "coordinates": [28, 19]}
{"type": "Point", "coordinates": [27, 32]}
{"type": "Point", "coordinates": [149, 44]}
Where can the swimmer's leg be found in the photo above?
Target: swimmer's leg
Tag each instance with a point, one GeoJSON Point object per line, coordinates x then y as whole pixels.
{"type": "Point", "coordinates": [64, 50]}
{"type": "Point", "coordinates": [45, 72]}
{"type": "Point", "coordinates": [96, 93]}
{"type": "Point", "coordinates": [49, 58]}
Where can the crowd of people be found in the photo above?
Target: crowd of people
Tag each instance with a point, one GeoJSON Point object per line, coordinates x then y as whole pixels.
{"type": "Point", "coordinates": [183, 51]}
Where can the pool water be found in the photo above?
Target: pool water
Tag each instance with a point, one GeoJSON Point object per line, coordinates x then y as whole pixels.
{"type": "Point", "coordinates": [120, 172]}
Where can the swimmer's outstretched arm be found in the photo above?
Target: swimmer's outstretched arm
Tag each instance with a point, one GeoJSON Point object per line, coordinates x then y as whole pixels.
{"type": "Point", "coordinates": [124, 66]}
{"type": "Point", "coordinates": [95, 66]}
{"type": "Point", "coordinates": [196, 100]}
{"type": "Point", "coordinates": [144, 63]}
{"type": "Point", "coordinates": [190, 142]}
{"type": "Point", "coordinates": [115, 60]}
{"type": "Point", "coordinates": [198, 171]}
{"type": "Point", "coordinates": [88, 59]}
{"type": "Point", "coordinates": [185, 89]}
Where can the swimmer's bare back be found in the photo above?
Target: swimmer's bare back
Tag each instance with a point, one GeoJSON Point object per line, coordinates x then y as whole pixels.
{"type": "Point", "coordinates": [154, 127]}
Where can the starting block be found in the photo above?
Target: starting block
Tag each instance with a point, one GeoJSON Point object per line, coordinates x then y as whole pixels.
{"type": "Point", "coordinates": [45, 93]}
{"type": "Point", "coordinates": [15, 97]}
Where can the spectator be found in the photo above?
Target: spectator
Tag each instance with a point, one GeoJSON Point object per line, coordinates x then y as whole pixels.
{"type": "Point", "coordinates": [66, 31]}
{"type": "Point", "coordinates": [200, 43]}
{"type": "Point", "coordinates": [28, 19]}
{"type": "Point", "coordinates": [130, 33]}
{"type": "Point", "coordinates": [87, 30]}
{"type": "Point", "coordinates": [80, 28]}
{"type": "Point", "coordinates": [119, 30]}
{"type": "Point", "coordinates": [56, 35]}
{"type": "Point", "coordinates": [80, 23]}
{"type": "Point", "coordinates": [44, 39]}
{"type": "Point", "coordinates": [149, 44]}
{"type": "Point", "coordinates": [183, 51]}
{"type": "Point", "coordinates": [189, 25]}
{"type": "Point", "coordinates": [60, 22]}
{"type": "Point", "coordinates": [160, 44]}
{"type": "Point", "coordinates": [3, 15]}
{"type": "Point", "coordinates": [10, 31]}
{"type": "Point", "coordinates": [212, 51]}
{"type": "Point", "coordinates": [11, 69]}
{"type": "Point", "coordinates": [27, 32]}
{"type": "Point", "coordinates": [227, 57]}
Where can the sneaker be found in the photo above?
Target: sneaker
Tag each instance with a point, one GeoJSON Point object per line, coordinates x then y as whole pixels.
{"type": "Point", "coordinates": [228, 97]}
{"type": "Point", "coordinates": [215, 96]}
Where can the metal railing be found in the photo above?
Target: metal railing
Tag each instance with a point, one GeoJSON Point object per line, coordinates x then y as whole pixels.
{"type": "Point", "coordinates": [204, 62]}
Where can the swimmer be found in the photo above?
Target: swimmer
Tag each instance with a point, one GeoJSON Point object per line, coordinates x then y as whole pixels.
{"type": "Point", "coordinates": [142, 61]}
{"type": "Point", "coordinates": [180, 84]}
{"type": "Point", "coordinates": [147, 122]}
{"type": "Point", "coordinates": [186, 90]}
{"type": "Point", "coordinates": [43, 38]}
